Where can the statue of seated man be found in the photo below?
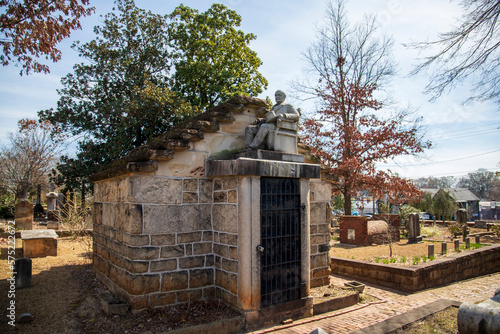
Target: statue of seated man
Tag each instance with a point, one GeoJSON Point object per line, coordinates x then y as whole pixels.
{"type": "Point", "coordinates": [256, 133]}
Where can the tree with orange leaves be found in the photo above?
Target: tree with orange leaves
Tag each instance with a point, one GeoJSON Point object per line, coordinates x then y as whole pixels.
{"type": "Point", "coordinates": [351, 131]}
{"type": "Point", "coordinates": [30, 29]}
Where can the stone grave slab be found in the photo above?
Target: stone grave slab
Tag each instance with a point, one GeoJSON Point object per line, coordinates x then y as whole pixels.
{"type": "Point", "coordinates": [39, 243]}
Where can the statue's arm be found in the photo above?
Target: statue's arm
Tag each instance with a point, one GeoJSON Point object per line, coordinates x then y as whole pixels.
{"type": "Point", "coordinates": [291, 114]}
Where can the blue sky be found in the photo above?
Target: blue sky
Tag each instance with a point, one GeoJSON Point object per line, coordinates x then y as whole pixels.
{"type": "Point", "coordinates": [465, 138]}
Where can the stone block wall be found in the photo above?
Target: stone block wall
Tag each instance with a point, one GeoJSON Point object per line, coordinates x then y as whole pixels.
{"type": "Point", "coordinates": [160, 241]}
{"type": "Point", "coordinates": [167, 240]}
{"type": "Point", "coordinates": [225, 227]}
{"type": "Point", "coordinates": [320, 218]}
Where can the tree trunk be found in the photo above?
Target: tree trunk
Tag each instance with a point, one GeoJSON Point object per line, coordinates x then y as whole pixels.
{"type": "Point", "coordinates": [347, 205]}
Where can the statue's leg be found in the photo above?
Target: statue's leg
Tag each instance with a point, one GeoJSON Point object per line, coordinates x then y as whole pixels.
{"type": "Point", "coordinates": [261, 134]}
{"type": "Point", "coordinates": [250, 132]}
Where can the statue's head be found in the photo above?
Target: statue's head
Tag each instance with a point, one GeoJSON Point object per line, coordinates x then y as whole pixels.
{"type": "Point", "coordinates": [279, 96]}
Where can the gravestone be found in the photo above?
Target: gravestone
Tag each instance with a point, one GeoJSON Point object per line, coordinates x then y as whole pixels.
{"type": "Point", "coordinates": [457, 245]}
{"type": "Point", "coordinates": [23, 215]}
{"type": "Point", "coordinates": [415, 236]}
{"type": "Point", "coordinates": [38, 209]}
{"type": "Point", "coordinates": [430, 250]}
{"type": "Point", "coordinates": [52, 213]}
{"type": "Point", "coordinates": [477, 239]}
{"type": "Point", "coordinates": [444, 248]}
{"type": "Point", "coordinates": [22, 268]}
{"type": "Point", "coordinates": [467, 243]}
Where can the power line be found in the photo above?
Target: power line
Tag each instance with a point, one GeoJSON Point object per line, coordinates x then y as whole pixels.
{"type": "Point", "coordinates": [466, 135]}
{"type": "Point", "coordinates": [451, 160]}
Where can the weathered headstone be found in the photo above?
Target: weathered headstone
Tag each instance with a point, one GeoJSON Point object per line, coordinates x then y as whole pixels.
{"type": "Point", "coordinates": [465, 232]}
{"type": "Point", "coordinates": [22, 269]}
{"type": "Point", "coordinates": [457, 245]}
{"type": "Point", "coordinates": [414, 229]}
{"type": "Point", "coordinates": [52, 213]}
{"type": "Point", "coordinates": [467, 243]}
{"type": "Point", "coordinates": [38, 209]}
{"type": "Point", "coordinates": [444, 248]}
{"type": "Point", "coordinates": [477, 239]}
{"type": "Point", "coordinates": [23, 215]}
{"type": "Point", "coordinates": [430, 250]}
{"type": "Point", "coordinates": [462, 216]}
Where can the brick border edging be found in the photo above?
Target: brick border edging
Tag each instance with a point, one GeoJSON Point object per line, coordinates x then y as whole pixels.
{"type": "Point", "coordinates": [399, 321]}
{"type": "Point", "coordinates": [456, 267]}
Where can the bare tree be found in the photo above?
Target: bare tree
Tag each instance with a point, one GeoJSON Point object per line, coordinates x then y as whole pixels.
{"type": "Point", "coordinates": [480, 182]}
{"type": "Point", "coordinates": [365, 58]}
{"type": "Point", "coordinates": [32, 152]}
{"type": "Point", "coordinates": [470, 50]}
{"type": "Point", "coordinates": [347, 66]}
{"type": "Point", "coordinates": [435, 183]}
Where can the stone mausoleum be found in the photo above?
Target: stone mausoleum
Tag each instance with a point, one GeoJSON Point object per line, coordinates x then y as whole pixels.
{"type": "Point", "coordinates": [192, 215]}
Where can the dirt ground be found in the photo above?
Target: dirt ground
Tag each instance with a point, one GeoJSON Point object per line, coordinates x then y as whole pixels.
{"type": "Point", "coordinates": [403, 248]}
{"type": "Point", "coordinates": [65, 298]}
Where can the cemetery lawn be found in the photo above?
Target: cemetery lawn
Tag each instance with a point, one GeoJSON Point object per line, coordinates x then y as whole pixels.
{"type": "Point", "coordinates": [403, 253]}
{"type": "Point", "coordinates": [65, 298]}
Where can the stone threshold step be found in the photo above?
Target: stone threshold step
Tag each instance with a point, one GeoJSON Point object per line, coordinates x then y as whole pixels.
{"type": "Point", "coordinates": [409, 317]}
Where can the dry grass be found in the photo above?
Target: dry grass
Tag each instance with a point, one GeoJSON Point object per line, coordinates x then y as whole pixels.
{"type": "Point", "coordinates": [442, 322]}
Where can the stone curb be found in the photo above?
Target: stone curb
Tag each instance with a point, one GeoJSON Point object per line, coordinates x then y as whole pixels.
{"type": "Point", "coordinates": [336, 304]}
{"type": "Point", "coordinates": [407, 318]}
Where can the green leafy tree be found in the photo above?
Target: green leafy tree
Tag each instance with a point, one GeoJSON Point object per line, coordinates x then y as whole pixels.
{"type": "Point", "coordinates": [212, 59]}
{"type": "Point", "coordinates": [425, 204]}
{"type": "Point", "coordinates": [124, 94]}
{"type": "Point", "coordinates": [444, 205]}
{"type": "Point", "coordinates": [404, 213]}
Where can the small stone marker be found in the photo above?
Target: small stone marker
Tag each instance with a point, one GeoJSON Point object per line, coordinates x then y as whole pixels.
{"type": "Point", "coordinates": [25, 318]}
{"type": "Point", "coordinates": [318, 331]}
{"type": "Point", "coordinates": [465, 232]}
{"type": "Point", "coordinates": [477, 239]}
{"type": "Point", "coordinates": [430, 250]}
{"type": "Point", "coordinates": [457, 245]}
{"type": "Point", "coordinates": [467, 243]}
{"type": "Point", "coordinates": [39, 243]}
{"type": "Point", "coordinates": [444, 248]}
{"type": "Point", "coordinates": [113, 306]}
{"type": "Point", "coordinates": [22, 268]}
{"type": "Point", "coordinates": [415, 236]}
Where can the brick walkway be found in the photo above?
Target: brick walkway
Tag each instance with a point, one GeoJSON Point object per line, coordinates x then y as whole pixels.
{"type": "Point", "coordinates": [391, 303]}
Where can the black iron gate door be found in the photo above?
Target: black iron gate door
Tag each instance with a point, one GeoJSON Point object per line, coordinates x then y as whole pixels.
{"type": "Point", "coordinates": [280, 240]}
